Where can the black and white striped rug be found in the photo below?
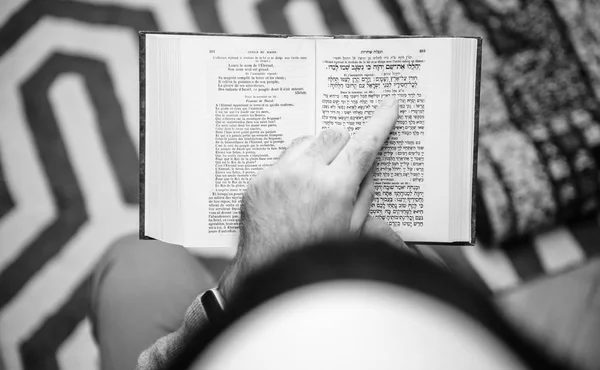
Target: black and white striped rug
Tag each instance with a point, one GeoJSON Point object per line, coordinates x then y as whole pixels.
{"type": "Point", "coordinates": [69, 144]}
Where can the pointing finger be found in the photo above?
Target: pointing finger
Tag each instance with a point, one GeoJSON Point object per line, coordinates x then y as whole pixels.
{"type": "Point", "coordinates": [357, 157]}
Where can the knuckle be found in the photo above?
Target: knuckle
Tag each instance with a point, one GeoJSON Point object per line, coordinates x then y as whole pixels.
{"type": "Point", "coordinates": [299, 140]}
{"type": "Point", "coordinates": [261, 178]}
{"type": "Point", "coordinates": [384, 111]}
{"type": "Point", "coordinates": [362, 157]}
{"type": "Point", "coordinates": [296, 146]}
{"type": "Point", "coordinates": [283, 154]}
{"type": "Point", "coordinates": [251, 187]}
{"type": "Point", "coordinates": [384, 115]}
{"type": "Point", "coordinates": [369, 140]}
{"type": "Point", "coordinates": [335, 134]}
{"type": "Point", "coordinates": [263, 185]}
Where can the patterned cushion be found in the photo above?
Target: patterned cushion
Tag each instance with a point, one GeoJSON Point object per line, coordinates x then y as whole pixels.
{"type": "Point", "coordinates": [539, 149]}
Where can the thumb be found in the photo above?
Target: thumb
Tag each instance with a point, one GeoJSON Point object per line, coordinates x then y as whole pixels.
{"type": "Point", "coordinates": [379, 229]}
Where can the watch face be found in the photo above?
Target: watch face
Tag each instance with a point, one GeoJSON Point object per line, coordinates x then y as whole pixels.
{"type": "Point", "coordinates": [212, 307]}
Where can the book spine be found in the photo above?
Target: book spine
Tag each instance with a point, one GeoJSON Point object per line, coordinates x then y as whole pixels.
{"type": "Point", "coordinates": [476, 140]}
{"type": "Point", "coordinates": [142, 149]}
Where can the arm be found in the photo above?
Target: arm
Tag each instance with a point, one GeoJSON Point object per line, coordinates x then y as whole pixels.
{"type": "Point", "coordinates": [168, 347]}
{"type": "Point", "coordinates": [320, 188]}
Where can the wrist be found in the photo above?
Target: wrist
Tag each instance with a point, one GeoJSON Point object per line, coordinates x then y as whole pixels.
{"type": "Point", "coordinates": [227, 282]}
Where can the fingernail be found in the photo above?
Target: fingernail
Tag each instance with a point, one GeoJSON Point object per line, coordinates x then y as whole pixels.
{"type": "Point", "coordinates": [389, 102]}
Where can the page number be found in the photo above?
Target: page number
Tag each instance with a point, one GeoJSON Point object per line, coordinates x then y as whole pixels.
{"type": "Point", "coordinates": [422, 50]}
{"type": "Point", "coordinates": [211, 51]}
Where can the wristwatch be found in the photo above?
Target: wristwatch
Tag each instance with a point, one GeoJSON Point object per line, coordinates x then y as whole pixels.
{"type": "Point", "coordinates": [213, 305]}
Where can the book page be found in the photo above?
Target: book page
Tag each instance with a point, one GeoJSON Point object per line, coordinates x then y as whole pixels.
{"type": "Point", "coordinates": [412, 175]}
{"type": "Point", "coordinates": [246, 99]}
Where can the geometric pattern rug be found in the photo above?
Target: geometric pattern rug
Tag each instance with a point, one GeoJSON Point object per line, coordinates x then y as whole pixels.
{"type": "Point", "coordinates": [69, 144]}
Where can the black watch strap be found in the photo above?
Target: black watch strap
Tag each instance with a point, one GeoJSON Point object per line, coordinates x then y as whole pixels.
{"type": "Point", "coordinates": [213, 304]}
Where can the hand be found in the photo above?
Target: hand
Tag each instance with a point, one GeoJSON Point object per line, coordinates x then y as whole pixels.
{"type": "Point", "coordinates": [319, 188]}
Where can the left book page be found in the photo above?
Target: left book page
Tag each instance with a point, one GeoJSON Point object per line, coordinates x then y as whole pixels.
{"type": "Point", "coordinates": [244, 99]}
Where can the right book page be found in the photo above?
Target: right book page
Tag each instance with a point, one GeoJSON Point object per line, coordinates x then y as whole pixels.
{"type": "Point", "coordinates": [412, 177]}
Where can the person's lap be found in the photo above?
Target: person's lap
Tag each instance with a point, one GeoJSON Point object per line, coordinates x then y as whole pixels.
{"type": "Point", "coordinates": [141, 290]}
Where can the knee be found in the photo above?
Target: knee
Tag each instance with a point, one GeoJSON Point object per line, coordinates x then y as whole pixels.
{"type": "Point", "coordinates": [129, 254]}
{"type": "Point", "coordinates": [147, 265]}
{"type": "Point", "coordinates": [120, 253]}
{"type": "Point", "coordinates": [130, 248]}
{"type": "Point", "coordinates": [138, 267]}
{"type": "Point", "coordinates": [129, 259]}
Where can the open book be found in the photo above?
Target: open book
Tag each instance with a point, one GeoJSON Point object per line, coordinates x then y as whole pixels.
{"type": "Point", "coordinates": [216, 109]}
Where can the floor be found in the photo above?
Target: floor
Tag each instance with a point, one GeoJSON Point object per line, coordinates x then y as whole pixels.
{"type": "Point", "coordinates": [563, 312]}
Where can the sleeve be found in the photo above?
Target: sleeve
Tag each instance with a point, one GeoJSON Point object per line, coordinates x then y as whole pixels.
{"type": "Point", "coordinates": [165, 349]}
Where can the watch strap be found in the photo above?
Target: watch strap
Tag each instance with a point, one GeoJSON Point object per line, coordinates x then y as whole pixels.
{"type": "Point", "coordinates": [213, 305]}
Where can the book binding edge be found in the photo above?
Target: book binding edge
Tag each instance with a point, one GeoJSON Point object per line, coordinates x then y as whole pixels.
{"type": "Point", "coordinates": [476, 140]}
{"type": "Point", "coordinates": [142, 143]}
{"type": "Point", "coordinates": [280, 35]}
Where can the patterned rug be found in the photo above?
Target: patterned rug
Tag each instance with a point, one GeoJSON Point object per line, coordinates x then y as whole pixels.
{"type": "Point", "coordinates": [69, 139]}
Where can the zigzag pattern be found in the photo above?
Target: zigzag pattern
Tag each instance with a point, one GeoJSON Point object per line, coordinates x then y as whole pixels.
{"type": "Point", "coordinates": [69, 138]}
